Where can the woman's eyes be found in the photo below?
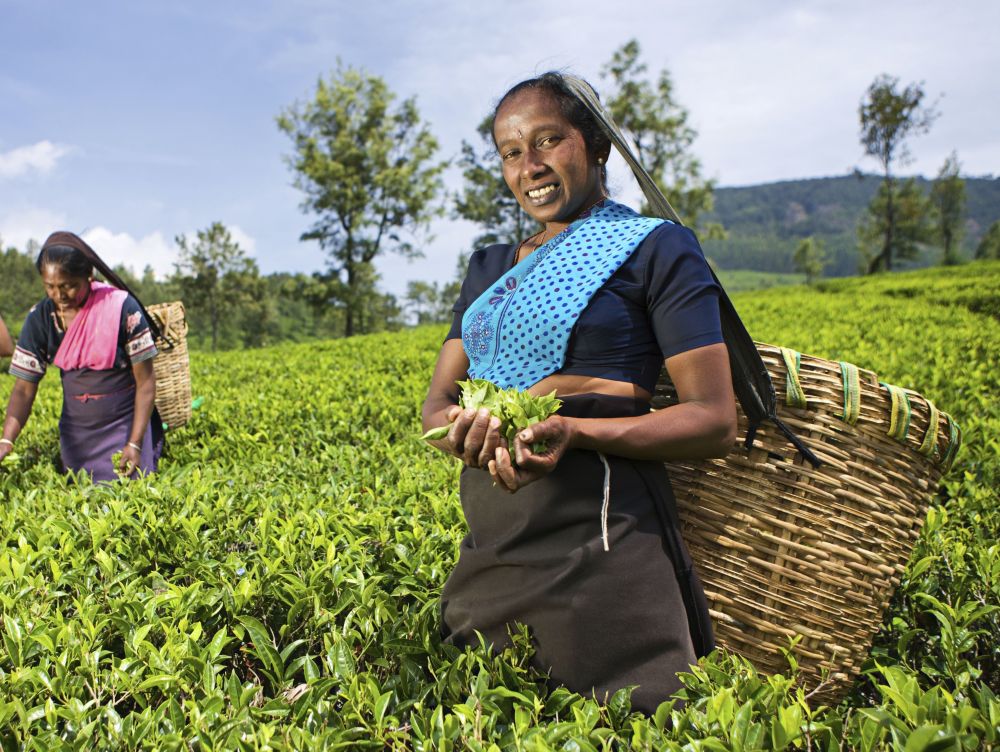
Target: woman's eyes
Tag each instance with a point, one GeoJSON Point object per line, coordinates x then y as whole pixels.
{"type": "Point", "coordinates": [545, 142]}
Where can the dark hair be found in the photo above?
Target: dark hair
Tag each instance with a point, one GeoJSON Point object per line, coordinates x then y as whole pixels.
{"type": "Point", "coordinates": [571, 107]}
{"type": "Point", "coordinates": [71, 253]}
{"type": "Point", "coordinates": [71, 260]}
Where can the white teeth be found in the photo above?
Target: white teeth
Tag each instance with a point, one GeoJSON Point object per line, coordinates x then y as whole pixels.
{"type": "Point", "coordinates": [539, 192]}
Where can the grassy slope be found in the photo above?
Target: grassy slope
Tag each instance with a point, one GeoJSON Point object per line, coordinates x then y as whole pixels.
{"type": "Point", "coordinates": [279, 578]}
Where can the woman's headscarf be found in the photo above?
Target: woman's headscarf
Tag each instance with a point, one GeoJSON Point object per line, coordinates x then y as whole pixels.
{"type": "Point", "coordinates": [71, 240]}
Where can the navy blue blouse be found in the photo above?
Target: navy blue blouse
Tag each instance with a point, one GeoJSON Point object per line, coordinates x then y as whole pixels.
{"type": "Point", "coordinates": [42, 335]}
{"type": "Point", "coordinates": [661, 302]}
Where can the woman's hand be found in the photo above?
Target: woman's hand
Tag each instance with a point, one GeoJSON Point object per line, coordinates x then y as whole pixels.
{"type": "Point", "coordinates": [474, 436]}
{"type": "Point", "coordinates": [5, 449]}
{"type": "Point", "coordinates": [129, 460]}
{"type": "Point", "coordinates": [557, 432]}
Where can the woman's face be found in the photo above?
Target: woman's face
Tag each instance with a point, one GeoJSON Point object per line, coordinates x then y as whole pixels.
{"type": "Point", "coordinates": [66, 291]}
{"type": "Point", "coordinates": [545, 160]}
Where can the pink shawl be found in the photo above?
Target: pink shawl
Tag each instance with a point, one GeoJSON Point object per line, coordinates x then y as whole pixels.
{"type": "Point", "coordinates": [92, 338]}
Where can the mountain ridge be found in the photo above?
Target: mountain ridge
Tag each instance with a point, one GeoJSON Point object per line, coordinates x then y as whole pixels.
{"type": "Point", "coordinates": [766, 221]}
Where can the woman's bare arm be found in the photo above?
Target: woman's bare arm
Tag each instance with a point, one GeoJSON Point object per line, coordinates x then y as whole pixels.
{"type": "Point", "coordinates": [145, 398]}
{"type": "Point", "coordinates": [22, 397]}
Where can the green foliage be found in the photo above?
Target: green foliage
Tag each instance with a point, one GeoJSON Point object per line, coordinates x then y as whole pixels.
{"type": "Point", "coordinates": [888, 117]}
{"type": "Point", "coordinates": [431, 302]}
{"type": "Point", "coordinates": [947, 198]}
{"type": "Point", "coordinates": [744, 280]}
{"type": "Point", "coordinates": [989, 246]}
{"type": "Point", "coordinates": [810, 258]}
{"type": "Point", "coordinates": [367, 173]}
{"type": "Point", "coordinates": [659, 128]}
{"type": "Point", "coordinates": [516, 409]}
{"type": "Point", "coordinates": [895, 226]}
{"type": "Point", "coordinates": [276, 585]}
{"type": "Point", "coordinates": [220, 285]}
{"type": "Point", "coordinates": [766, 222]}
{"type": "Point", "coordinates": [20, 288]}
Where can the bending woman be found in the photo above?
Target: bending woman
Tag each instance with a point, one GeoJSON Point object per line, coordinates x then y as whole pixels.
{"type": "Point", "coordinates": [592, 306]}
{"type": "Point", "coordinates": [100, 338]}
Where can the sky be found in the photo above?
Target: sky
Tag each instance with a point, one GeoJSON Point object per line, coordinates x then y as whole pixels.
{"type": "Point", "coordinates": [134, 122]}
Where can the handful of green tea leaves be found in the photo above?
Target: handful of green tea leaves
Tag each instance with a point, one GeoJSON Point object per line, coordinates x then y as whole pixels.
{"type": "Point", "coordinates": [516, 409]}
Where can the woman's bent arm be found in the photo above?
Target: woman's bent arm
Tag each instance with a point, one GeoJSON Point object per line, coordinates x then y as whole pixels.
{"type": "Point", "coordinates": [145, 398]}
{"type": "Point", "coordinates": [702, 424]}
{"type": "Point", "coordinates": [22, 397]}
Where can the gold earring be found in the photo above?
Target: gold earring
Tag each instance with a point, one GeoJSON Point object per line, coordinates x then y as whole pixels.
{"type": "Point", "coordinates": [600, 160]}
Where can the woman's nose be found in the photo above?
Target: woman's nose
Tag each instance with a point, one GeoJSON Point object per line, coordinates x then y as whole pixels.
{"type": "Point", "coordinates": [532, 164]}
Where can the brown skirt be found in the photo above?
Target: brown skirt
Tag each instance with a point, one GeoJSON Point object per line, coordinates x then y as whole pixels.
{"type": "Point", "coordinates": [599, 620]}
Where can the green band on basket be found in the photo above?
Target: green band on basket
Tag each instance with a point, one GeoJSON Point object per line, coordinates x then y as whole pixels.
{"type": "Point", "coordinates": [954, 442]}
{"type": "Point", "coordinates": [852, 392]}
{"type": "Point", "coordinates": [794, 396]}
{"type": "Point", "coordinates": [899, 421]}
{"type": "Point", "coordinates": [930, 437]}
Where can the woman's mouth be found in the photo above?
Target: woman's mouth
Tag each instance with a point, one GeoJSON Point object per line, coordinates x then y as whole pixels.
{"type": "Point", "coordinates": [537, 194]}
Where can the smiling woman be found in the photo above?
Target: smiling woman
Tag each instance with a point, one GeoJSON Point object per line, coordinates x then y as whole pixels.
{"type": "Point", "coordinates": [588, 555]}
{"type": "Point", "coordinates": [100, 338]}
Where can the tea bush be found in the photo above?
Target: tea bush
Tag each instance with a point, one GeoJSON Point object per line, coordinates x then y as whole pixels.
{"type": "Point", "coordinates": [276, 585]}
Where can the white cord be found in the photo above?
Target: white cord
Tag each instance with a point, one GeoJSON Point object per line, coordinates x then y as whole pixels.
{"type": "Point", "coordinates": [607, 501]}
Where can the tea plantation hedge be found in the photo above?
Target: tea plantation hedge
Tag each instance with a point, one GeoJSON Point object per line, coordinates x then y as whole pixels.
{"type": "Point", "coordinates": [276, 585]}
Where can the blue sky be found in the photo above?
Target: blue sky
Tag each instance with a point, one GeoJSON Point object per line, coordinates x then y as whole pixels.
{"type": "Point", "coordinates": [133, 122]}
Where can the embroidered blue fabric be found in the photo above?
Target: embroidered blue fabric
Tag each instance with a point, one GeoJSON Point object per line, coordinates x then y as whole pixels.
{"type": "Point", "coordinates": [516, 333]}
{"type": "Point", "coordinates": [660, 302]}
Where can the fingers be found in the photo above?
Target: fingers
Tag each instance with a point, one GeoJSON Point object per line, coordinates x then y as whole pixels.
{"type": "Point", "coordinates": [475, 438]}
{"type": "Point", "coordinates": [475, 435]}
{"type": "Point", "coordinates": [491, 442]}
{"type": "Point", "coordinates": [503, 472]}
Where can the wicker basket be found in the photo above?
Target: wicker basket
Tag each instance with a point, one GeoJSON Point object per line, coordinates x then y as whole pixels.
{"type": "Point", "coordinates": [171, 365]}
{"type": "Point", "coordinates": [787, 549]}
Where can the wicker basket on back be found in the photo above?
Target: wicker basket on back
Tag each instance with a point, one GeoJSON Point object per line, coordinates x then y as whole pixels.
{"type": "Point", "coordinates": [787, 549]}
{"type": "Point", "coordinates": [171, 365]}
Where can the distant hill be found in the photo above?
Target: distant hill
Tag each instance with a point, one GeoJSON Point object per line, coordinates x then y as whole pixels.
{"type": "Point", "coordinates": [766, 222]}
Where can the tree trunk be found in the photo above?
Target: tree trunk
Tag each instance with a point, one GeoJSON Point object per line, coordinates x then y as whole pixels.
{"type": "Point", "coordinates": [215, 321]}
{"type": "Point", "coordinates": [890, 225]}
{"type": "Point", "coordinates": [351, 302]}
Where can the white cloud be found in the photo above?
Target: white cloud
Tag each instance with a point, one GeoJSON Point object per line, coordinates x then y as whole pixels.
{"type": "Point", "coordinates": [41, 157]}
{"type": "Point", "coordinates": [245, 241]}
{"type": "Point", "coordinates": [29, 223]}
{"type": "Point", "coordinates": [152, 250]}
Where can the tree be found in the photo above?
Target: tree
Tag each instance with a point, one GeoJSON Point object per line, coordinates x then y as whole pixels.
{"type": "Point", "coordinates": [486, 199]}
{"type": "Point", "coordinates": [215, 276]}
{"type": "Point", "coordinates": [20, 287]}
{"type": "Point", "coordinates": [659, 127]}
{"type": "Point", "coordinates": [888, 117]}
{"type": "Point", "coordinates": [989, 246]}
{"type": "Point", "coordinates": [911, 224]}
{"type": "Point", "coordinates": [948, 200]}
{"type": "Point", "coordinates": [367, 172]}
{"type": "Point", "coordinates": [810, 258]}
{"type": "Point", "coordinates": [431, 302]}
